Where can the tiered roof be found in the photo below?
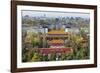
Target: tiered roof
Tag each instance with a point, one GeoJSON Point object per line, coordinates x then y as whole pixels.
{"type": "Point", "coordinates": [57, 32]}
{"type": "Point", "coordinates": [57, 42]}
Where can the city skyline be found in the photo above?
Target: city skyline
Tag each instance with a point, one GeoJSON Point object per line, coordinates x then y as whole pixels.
{"type": "Point", "coordinates": [33, 13]}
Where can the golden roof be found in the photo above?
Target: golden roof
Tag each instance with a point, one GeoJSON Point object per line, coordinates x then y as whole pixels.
{"type": "Point", "coordinates": [56, 41]}
{"type": "Point", "coordinates": [57, 32]}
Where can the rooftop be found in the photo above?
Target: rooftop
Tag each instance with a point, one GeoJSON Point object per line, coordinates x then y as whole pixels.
{"type": "Point", "coordinates": [61, 31]}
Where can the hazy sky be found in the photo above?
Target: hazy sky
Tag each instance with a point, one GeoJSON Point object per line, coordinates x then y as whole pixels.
{"type": "Point", "coordinates": [55, 14]}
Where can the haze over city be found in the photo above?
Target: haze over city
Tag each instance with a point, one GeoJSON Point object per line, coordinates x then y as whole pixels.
{"type": "Point", "coordinates": [54, 14]}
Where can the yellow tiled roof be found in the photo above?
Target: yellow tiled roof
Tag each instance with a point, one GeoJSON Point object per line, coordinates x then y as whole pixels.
{"type": "Point", "coordinates": [57, 32]}
{"type": "Point", "coordinates": [56, 41]}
